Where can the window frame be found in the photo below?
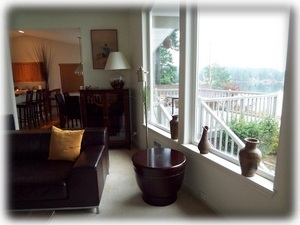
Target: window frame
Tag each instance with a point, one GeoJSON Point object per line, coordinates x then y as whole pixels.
{"type": "Point", "coordinates": [151, 79]}
{"type": "Point", "coordinates": [260, 171]}
{"type": "Point", "coordinates": [188, 76]}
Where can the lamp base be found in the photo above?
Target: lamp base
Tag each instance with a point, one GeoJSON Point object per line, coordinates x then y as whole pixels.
{"type": "Point", "coordinates": [117, 80]}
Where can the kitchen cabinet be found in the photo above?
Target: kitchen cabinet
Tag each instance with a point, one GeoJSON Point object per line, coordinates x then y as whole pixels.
{"type": "Point", "coordinates": [108, 108]}
{"type": "Point", "coordinates": [27, 71]}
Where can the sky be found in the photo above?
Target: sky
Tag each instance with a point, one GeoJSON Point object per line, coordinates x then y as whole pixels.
{"type": "Point", "coordinates": [243, 40]}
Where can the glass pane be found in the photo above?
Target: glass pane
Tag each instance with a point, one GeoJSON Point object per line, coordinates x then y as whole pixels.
{"type": "Point", "coordinates": [241, 65]}
{"type": "Point", "coordinates": [116, 116]}
{"type": "Point", "coordinates": [165, 38]}
{"type": "Point", "coordinates": [94, 110]}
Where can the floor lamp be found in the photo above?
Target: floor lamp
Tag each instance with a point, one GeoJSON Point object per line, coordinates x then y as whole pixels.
{"type": "Point", "coordinates": [141, 74]}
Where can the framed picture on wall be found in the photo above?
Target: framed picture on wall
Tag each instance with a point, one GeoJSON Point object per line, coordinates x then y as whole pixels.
{"type": "Point", "coordinates": [103, 42]}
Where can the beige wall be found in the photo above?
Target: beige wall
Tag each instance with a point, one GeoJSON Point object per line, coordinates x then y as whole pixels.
{"type": "Point", "coordinates": [61, 53]}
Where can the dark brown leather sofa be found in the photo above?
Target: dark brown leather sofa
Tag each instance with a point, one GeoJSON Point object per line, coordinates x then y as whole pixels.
{"type": "Point", "coordinates": [34, 182]}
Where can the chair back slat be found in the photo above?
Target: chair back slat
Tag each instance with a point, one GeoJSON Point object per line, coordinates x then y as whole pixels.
{"type": "Point", "coordinates": [29, 96]}
{"type": "Point", "coordinates": [38, 96]}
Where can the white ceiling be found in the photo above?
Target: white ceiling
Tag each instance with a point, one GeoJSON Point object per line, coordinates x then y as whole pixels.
{"type": "Point", "coordinates": [69, 35]}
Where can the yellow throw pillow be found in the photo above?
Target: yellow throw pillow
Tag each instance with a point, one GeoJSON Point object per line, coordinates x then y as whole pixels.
{"type": "Point", "coordinates": [65, 144]}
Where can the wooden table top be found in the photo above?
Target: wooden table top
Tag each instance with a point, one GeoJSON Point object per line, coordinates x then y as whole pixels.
{"type": "Point", "coordinates": [159, 158]}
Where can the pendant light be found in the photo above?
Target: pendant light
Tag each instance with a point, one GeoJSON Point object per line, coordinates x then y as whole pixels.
{"type": "Point", "coordinates": [167, 43]}
{"type": "Point", "coordinates": [79, 69]}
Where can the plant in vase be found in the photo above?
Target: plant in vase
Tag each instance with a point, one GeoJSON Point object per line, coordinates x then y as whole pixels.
{"type": "Point", "coordinates": [145, 91]}
{"type": "Point", "coordinates": [41, 53]}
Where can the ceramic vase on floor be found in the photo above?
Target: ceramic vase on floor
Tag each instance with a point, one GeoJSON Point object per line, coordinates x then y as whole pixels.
{"type": "Point", "coordinates": [174, 127]}
{"type": "Point", "coordinates": [250, 157]}
{"type": "Point", "coordinates": [204, 145]}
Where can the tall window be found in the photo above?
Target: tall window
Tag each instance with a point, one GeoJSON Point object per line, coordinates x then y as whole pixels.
{"type": "Point", "coordinates": [240, 77]}
{"type": "Point", "coordinates": [165, 37]}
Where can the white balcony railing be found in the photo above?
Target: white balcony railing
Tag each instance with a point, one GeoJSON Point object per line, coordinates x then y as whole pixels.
{"type": "Point", "coordinates": [216, 108]}
{"type": "Point", "coordinates": [228, 105]}
{"type": "Point", "coordinates": [250, 107]}
{"type": "Point", "coordinates": [224, 140]}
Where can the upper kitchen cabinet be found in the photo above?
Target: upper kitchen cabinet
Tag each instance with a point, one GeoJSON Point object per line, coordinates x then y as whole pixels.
{"type": "Point", "coordinates": [27, 71]}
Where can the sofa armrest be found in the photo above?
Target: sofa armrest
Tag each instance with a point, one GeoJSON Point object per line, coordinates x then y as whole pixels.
{"type": "Point", "coordinates": [89, 158]}
{"type": "Point", "coordinates": [86, 180]}
{"type": "Point", "coordinates": [94, 137]}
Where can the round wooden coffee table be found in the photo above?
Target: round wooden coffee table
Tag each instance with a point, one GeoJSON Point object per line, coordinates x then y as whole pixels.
{"type": "Point", "coordinates": [159, 174]}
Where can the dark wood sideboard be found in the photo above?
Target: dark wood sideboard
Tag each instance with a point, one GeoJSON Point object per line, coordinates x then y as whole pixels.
{"type": "Point", "coordinates": [108, 108]}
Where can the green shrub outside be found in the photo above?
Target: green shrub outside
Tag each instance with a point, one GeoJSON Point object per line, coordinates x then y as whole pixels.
{"type": "Point", "coordinates": [266, 131]}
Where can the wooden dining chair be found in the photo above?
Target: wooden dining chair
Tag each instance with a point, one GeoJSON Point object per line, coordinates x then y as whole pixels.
{"type": "Point", "coordinates": [61, 109]}
{"type": "Point", "coordinates": [53, 102]}
{"type": "Point", "coordinates": [72, 110]}
{"type": "Point", "coordinates": [26, 112]}
{"type": "Point", "coordinates": [38, 106]}
{"type": "Point", "coordinates": [66, 94]}
{"type": "Point", "coordinates": [46, 104]}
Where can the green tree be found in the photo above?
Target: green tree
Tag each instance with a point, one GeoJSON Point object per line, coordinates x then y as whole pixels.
{"type": "Point", "coordinates": [165, 71]}
{"type": "Point", "coordinates": [216, 76]}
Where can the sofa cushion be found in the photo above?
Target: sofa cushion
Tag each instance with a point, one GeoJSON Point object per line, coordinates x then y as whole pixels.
{"type": "Point", "coordinates": [65, 144]}
{"type": "Point", "coordinates": [39, 180]}
{"type": "Point", "coordinates": [28, 144]}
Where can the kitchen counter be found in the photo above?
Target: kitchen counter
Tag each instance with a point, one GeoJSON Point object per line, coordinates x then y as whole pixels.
{"type": "Point", "coordinates": [21, 95]}
{"type": "Point", "coordinates": [20, 92]}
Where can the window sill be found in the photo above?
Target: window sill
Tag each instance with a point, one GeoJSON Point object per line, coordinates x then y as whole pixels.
{"type": "Point", "coordinates": [158, 131]}
{"type": "Point", "coordinates": [257, 182]}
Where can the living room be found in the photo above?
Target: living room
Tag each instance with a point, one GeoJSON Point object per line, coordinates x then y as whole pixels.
{"type": "Point", "coordinates": [223, 189]}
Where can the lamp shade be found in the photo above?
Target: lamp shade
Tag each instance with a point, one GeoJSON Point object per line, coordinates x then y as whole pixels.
{"type": "Point", "coordinates": [116, 61]}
